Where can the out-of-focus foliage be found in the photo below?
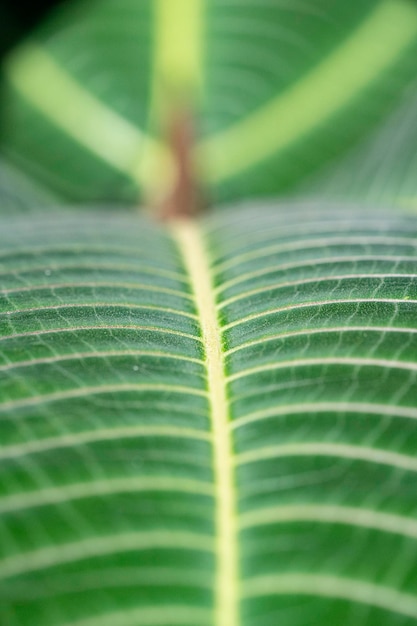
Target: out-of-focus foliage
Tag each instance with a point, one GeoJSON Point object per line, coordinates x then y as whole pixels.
{"type": "Point", "coordinates": [285, 95]}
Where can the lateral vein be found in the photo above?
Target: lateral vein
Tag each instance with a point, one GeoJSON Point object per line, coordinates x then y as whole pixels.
{"type": "Point", "coordinates": [91, 124]}
{"type": "Point", "coordinates": [282, 121]}
{"type": "Point", "coordinates": [190, 242]}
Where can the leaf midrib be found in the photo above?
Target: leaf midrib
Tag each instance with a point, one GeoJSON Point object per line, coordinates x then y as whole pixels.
{"type": "Point", "coordinates": [196, 260]}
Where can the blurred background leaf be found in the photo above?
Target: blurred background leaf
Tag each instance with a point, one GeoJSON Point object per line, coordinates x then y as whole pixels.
{"type": "Point", "coordinates": [288, 97]}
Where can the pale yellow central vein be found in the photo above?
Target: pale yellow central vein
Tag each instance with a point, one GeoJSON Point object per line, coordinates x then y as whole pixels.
{"type": "Point", "coordinates": [191, 244]}
{"type": "Point", "coordinates": [178, 45]}
{"type": "Point", "coordinates": [176, 82]}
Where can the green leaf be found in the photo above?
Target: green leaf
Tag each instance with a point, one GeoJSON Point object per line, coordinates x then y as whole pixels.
{"type": "Point", "coordinates": [381, 167]}
{"type": "Point", "coordinates": [280, 90]}
{"type": "Point", "coordinates": [209, 423]}
{"type": "Point", "coordinates": [20, 194]}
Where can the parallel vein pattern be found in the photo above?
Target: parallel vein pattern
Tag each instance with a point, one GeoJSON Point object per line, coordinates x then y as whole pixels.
{"type": "Point", "coordinates": [318, 315]}
{"type": "Point", "coordinates": [106, 482]}
{"type": "Point", "coordinates": [213, 424]}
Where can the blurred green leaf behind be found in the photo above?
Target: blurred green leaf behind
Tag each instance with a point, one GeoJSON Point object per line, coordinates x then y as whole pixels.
{"type": "Point", "coordinates": [283, 94]}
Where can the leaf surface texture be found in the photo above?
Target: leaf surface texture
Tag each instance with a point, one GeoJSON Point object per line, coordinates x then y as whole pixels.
{"type": "Point", "coordinates": [249, 381]}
